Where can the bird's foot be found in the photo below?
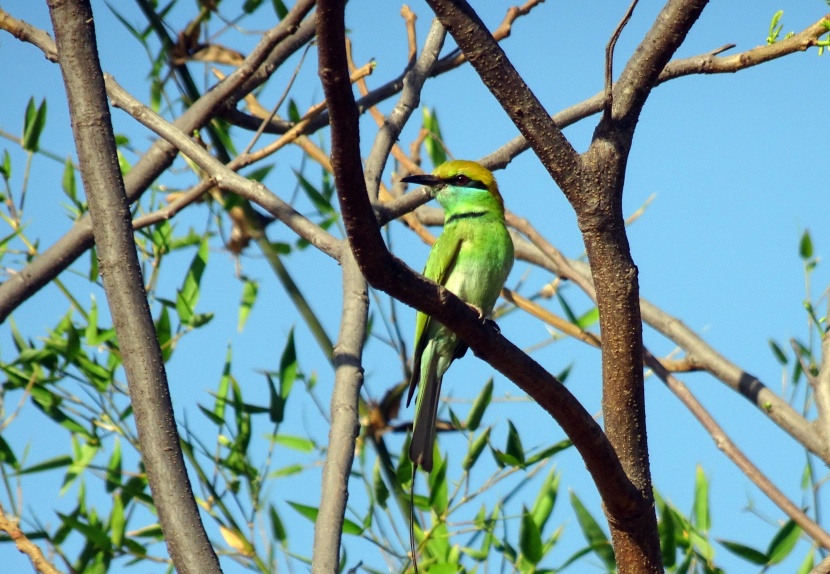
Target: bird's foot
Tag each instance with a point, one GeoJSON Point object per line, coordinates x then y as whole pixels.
{"type": "Point", "coordinates": [493, 324]}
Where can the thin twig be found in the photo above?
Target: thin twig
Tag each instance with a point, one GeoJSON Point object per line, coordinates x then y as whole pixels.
{"type": "Point", "coordinates": [609, 61]}
{"type": "Point", "coordinates": [26, 546]}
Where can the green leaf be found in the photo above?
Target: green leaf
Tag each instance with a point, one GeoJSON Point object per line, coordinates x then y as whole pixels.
{"type": "Point", "coordinates": [593, 533]}
{"type": "Point", "coordinates": [668, 541]}
{"type": "Point", "coordinates": [775, 27]}
{"type": "Point", "coordinates": [114, 467]}
{"type": "Point", "coordinates": [117, 521]}
{"type": "Point", "coordinates": [249, 293]}
{"type": "Point", "coordinates": [807, 565]}
{"type": "Point", "coordinates": [783, 542]}
{"type": "Point", "coordinates": [319, 201]}
{"type": "Point", "coordinates": [93, 265]}
{"type": "Point", "coordinates": [546, 499]}
{"type": "Point", "coordinates": [588, 319]}
{"type": "Point", "coordinates": [188, 295]}
{"type": "Point", "coordinates": [164, 332]}
{"type": "Point", "coordinates": [379, 490]}
{"type": "Point", "coordinates": [438, 489]}
{"type": "Point", "coordinates": [279, 8]}
{"type": "Point", "coordinates": [94, 534]}
{"type": "Point", "coordinates": [805, 246]}
{"type": "Point", "coordinates": [700, 509]}
{"type": "Point", "coordinates": [530, 538]}
{"type": "Point", "coordinates": [434, 142]}
{"type": "Point", "coordinates": [549, 452]}
{"type": "Point", "coordinates": [80, 461]}
{"type": "Point", "coordinates": [289, 470]}
{"type": "Point", "coordinates": [780, 355]}
{"type": "Point", "coordinates": [49, 464]}
{"type": "Point", "coordinates": [310, 512]}
{"type": "Point", "coordinates": [7, 454]}
{"type": "Point", "coordinates": [218, 421]}
{"type": "Point", "coordinates": [298, 443]}
{"type": "Point", "coordinates": [260, 173]}
{"type": "Point", "coordinates": [293, 111]}
{"type": "Point", "coordinates": [288, 374]}
{"type": "Point", "coordinates": [68, 181]}
{"type": "Point", "coordinates": [747, 553]}
{"type": "Point", "coordinates": [277, 527]}
{"type": "Point", "coordinates": [476, 449]}
{"type": "Point", "coordinates": [479, 406]}
{"type": "Point", "coordinates": [33, 125]}
{"type": "Point", "coordinates": [162, 235]}
{"type": "Point", "coordinates": [250, 5]}
{"type": "Point", "coordinates": [514, 444]}
{"type": "Point", "coordinates": [566, 308]}
{"type": "Point", "coordinates": [6, 165]}
{"type": "Point", "coordinates": [224, 386]}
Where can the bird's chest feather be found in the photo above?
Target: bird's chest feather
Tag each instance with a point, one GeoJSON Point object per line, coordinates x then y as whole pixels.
{"type": "Point", "coordinates": [484, 259]}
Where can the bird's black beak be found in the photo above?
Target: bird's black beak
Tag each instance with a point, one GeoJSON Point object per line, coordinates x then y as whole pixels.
{"type": "Point", "coordinates": [423, 179]}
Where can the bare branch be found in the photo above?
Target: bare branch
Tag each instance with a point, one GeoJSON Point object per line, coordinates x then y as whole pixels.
{"type": "Point", "coordinates": [711, 63]}
{"type": "Point", "coordinates": [348, 380]}
{"type": "Point", "coordinates": [725, 444]}
{"type": "Point", "coordinates": [821, 389]}
{"type": "Point", "coordinates": [26, 546]}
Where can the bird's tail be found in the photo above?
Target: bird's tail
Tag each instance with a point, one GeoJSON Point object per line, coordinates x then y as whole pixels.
{"type": "Point", "coordinates": [426, 413]}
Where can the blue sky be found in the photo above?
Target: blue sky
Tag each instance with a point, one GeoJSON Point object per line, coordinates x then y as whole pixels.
{"type": "Point", "coordinates": [736, 165]}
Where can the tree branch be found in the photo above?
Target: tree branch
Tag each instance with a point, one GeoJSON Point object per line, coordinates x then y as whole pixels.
{"type": "Point", "coordinates": [345, 425]}
{"type": "Point", "coordinates": [26, 546]}
{"type": "Point", "coordinates": [184, 533]}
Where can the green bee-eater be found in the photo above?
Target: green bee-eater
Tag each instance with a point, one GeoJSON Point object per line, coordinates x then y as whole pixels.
{"type": "Point", "coordinates": [472, 258]}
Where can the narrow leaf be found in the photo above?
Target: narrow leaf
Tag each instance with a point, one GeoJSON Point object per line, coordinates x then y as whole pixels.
{"type": "Point", "coordinates": [783, 542]}
{"type": "Point", "coordinates": [530, 538]}
{"type": "Point", "coordinates": [593, 533]}
{"type": "Point", "coordinates": [479, 406]}
{"type": "Point", "coordinates": [700, 509]}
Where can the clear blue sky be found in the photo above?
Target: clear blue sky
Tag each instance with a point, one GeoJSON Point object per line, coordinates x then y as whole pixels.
{"type": "Point", "coordinates": [737, 165]}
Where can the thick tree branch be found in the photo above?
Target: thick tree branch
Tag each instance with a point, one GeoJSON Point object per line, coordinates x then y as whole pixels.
{"type": "Point", "coordinates": [186, 539]}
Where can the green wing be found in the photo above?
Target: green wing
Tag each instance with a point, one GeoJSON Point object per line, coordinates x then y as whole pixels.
{"type": "Point", "coordinates": [440, 262]}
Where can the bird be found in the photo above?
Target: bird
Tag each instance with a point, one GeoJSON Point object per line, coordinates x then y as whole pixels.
{"type": "Point", "coordinates": [472, 258]}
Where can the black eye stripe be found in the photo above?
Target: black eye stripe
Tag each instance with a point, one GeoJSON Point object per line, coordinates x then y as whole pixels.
{"type": "Point", "coordinates": [464, 181]}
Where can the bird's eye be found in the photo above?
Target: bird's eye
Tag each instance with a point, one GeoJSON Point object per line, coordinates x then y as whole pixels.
{"type": "Point", "coordinates": [461, 180]}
